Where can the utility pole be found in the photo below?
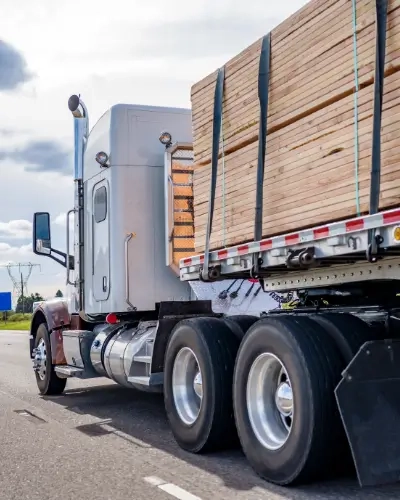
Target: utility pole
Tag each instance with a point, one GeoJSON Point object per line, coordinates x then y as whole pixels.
{"type": "Point", "coordinates": [22, 294]}
{"type": "Point", "coordinates": [19, 275]}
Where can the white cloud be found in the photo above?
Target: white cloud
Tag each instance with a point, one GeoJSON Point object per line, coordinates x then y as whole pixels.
{"type": "Point", "coordinates": [14, 254]}
{"type": "Point", "coordinates": [61, 220]}
{"type": "Point", "coordinates": [19, 229]}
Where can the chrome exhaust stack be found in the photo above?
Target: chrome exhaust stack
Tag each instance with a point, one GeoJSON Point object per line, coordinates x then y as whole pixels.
{"type": "Point", "coordinates": [81, 133]}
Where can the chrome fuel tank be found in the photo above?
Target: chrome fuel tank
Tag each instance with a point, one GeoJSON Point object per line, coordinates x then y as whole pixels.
{"type": "Point", "coordinates": [126, 354]}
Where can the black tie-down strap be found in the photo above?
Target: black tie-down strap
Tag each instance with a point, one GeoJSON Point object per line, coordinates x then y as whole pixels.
{"type": "Point", "coordinates": [263, 97]}
{"type": "Point", "coordinates": [205, 274]}
{"type": "Point", "coordinates": [380, 55]}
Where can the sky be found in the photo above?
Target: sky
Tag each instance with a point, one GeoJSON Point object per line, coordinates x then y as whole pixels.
{"type": "Point", "coordinates": [126, 51]}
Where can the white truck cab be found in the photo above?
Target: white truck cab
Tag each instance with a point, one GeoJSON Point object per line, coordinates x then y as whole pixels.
{"type": "Point", "coordinates": [124, 236]}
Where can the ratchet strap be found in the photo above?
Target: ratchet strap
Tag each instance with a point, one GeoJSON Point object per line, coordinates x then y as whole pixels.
{"type": "Point", "coordinates": [263, 97]}
{"type": "Point", "coordinates": [380, 54]}
{"type": "Point", "coordinates": [217, 122]}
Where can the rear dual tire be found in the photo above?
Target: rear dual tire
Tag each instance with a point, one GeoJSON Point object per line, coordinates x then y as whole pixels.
{"type": "Point", "coordinates": [312, 354]}
{"type": "Point", "coordinates": [290, 432]}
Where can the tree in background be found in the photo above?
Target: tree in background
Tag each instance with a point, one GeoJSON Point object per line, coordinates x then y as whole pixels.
{"type": "Point", "coordinates": [25, 304]}
{"type": "Point", "coordinates": [59, 293]}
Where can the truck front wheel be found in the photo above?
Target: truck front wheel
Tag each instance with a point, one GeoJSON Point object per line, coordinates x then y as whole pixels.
{"type": "Point", "coordinates": [46, 378]}
{"type": "Point", "coordinates": [198, 373]}
{"type": "Point", "coordinates": [286, 416]}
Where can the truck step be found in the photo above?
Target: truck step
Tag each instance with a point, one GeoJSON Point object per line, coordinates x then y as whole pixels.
{"type": "Point", "coordinates": [139, 380]}
{"type": "Point", "coordinates": [142, 359]}
{"type": "Point", "coordinates": [69, 371]}
{"type": "Point", "coordinates": [155, 380]}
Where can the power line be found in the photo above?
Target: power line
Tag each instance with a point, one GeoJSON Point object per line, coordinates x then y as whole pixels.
{"type": "Point", "coordinates": [19, 275]}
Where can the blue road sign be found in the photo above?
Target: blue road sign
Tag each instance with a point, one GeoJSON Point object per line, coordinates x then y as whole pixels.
{"type": "Point", "coordinates": [5, 301]}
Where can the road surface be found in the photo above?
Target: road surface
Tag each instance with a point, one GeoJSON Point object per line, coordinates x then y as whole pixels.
{"type": "Point", "coordinates": [101, 441]}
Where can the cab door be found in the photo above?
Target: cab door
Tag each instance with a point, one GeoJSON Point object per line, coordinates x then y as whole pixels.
{"type": "Point", "coordinates": [101, 241]}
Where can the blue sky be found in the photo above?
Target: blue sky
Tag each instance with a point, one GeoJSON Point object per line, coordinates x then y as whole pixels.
{"type": "Point", "coordinates": [124, 51]}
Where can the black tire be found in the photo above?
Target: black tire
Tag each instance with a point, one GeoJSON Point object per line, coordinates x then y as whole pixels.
{"type": "Point", "coordinates": [240, 323]}
{"type": "Point", "coordinates": [51, 385]}
{"type": "Point", "coordinates": [314, 365]}
{"type": "Point", "coordinates": [347, 331]}
{"type": "Point", "coordinates": [215, 347]}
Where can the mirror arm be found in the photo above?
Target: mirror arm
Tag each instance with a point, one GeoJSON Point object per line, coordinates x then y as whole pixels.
{"type": "Point", "coordinates": [63, 262]}
{"type": "Point", "coordinates": [70, 263]}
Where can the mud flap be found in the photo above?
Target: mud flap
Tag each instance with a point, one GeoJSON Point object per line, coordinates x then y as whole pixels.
{"type": "Point", "coordinates": [368, 397]}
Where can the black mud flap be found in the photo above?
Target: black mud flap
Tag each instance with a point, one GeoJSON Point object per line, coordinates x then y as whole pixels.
{"type": "Point", "coordinates": [368, 397]}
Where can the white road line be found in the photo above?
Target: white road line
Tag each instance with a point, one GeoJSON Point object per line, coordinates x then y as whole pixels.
{"type": "Point", "coordinates": [170, 488]}
{"type": "Point", "coordinates": [154, 481]}
{"type": "Point", "coordinates": [178, 492]}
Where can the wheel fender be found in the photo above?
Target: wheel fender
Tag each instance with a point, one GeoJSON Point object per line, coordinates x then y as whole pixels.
{"type": "Point", "coordinates": [56, 315]}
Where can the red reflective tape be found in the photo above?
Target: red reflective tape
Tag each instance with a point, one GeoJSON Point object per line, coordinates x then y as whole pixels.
{"type": "Point", "coordinates": [243, 249]}
{"type": "Point", "coordinates": [392, 217]}
{"type": "Point", "coordinates": [292, 239]}
{"type": "Point", "coordinates": [187, 262]}
{"type": "Point", "coordinates": [222, 254]}
{"type": "Point", "coordinates": [201, 259]}
{"type": "Point", "coordinates": [266, 245]}
{"type": "Point", "coordinates": [354, 225]}
{"type": "Point", "coordinates": [321, 232]}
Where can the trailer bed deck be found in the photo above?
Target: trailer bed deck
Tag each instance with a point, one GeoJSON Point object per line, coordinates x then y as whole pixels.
{"type": "Point", "coordinates": [357, 249]}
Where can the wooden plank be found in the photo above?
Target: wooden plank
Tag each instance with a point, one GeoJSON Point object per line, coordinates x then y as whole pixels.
{"type": "Point", "coordinates": [295, 59]}
{"type": "Point", "coordinates": [283, 156]}
{"type": "Point", "coordinates": [285, 30]}
{"type": "Point", "coordinates": [326, 78]}
{"type": "Point", "coordinates": [297, 193]}
{"type": "Point", "coordinates": [304, 169]}
{"type": "Point", "coordinates": [322, 185]}
{"type": "Point", "coordinates": [182, 241]}
{"type": "Point", "coordinates": [340, 209]}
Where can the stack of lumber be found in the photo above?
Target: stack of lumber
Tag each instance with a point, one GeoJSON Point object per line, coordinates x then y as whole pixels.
{"type": "Point", "coordinates": [182, 237]}
{"type": "Point", "coordinates": [310, 169]}
{"type": "Point", "coordinates": [181, 214]}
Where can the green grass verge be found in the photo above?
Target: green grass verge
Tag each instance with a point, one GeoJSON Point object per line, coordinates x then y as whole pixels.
{"type": "Point", "coordinates": [15, 325]}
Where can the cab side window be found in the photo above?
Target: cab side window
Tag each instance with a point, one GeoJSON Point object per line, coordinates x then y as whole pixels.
{"type": "Point", "coordinates": [100, 204]}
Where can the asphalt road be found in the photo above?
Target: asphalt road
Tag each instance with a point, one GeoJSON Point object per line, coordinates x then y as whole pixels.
{"type": "Point", "coordinates": [101, 441]}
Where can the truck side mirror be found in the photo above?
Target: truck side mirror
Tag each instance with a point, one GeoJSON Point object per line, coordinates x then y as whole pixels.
{"type": "Point", "coordinates": [41, 233]}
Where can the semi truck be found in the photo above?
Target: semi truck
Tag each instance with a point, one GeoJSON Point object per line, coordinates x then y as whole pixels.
{"type": "Point", "coordinates": [306, 385]}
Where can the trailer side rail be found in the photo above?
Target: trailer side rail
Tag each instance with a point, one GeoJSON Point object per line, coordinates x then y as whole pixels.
{"type": "Point", "coordinates": [334, 244]}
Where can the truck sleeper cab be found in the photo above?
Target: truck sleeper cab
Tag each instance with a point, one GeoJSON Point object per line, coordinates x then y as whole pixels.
{"type": "Point", "coordinates": [290, 384]}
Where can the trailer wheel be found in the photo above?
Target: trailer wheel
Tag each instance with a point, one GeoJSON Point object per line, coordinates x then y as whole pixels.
{"type": "Point", "coordinates": [240, 323]}
{"type": "Point", "coordinates": [46, 378]}
{"type": "Point", "coordinates": [286, 415]}
{"type": "Point", "coordinates": [198, 373]}
{"type": "Point", "coordinates": [348, 332]}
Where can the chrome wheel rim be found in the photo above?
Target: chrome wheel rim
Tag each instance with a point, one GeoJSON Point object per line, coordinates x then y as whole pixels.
{"type": "Point", "coordinates": [187, 386]}
{"type": "Point", "coordinates": [269, 399]}
{"type": "Point", "coordinates": [39, 360]}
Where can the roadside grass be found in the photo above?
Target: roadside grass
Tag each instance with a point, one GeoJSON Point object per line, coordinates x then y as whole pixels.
{"type": "Point", "coordinates": [16, 321]}
{"type": "Point", "coordinates": [16, 325]}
